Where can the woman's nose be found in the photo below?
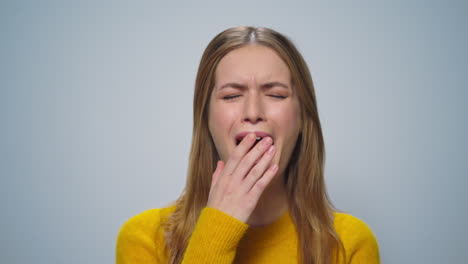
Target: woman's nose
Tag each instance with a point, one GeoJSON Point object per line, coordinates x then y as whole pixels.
{"type": "Point", "coordinates": [253, 109]}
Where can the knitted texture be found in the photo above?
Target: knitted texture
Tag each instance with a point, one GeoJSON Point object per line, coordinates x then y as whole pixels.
{"type": "Point", "coordinates": [221, 238]}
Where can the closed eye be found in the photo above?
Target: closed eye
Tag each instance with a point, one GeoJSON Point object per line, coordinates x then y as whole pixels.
{"type": "Point", "coordinates": [227, 98]}
{"type": "Point", "coordinates": [278, 96]}
{"type": "Point", "coordinates": [230, 97]}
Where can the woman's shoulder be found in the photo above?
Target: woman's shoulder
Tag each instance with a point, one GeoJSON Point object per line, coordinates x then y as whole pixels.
{"type": "Point", "coordinates": [141, 237]}
{"type": "Point", "coordinates": [355, 234]}
{"type": "Point", "coordinates": [346, 221]}
{"type": "Point", "coordinates": [147, 222]}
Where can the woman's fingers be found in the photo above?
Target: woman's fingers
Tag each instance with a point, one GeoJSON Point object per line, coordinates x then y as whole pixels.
{"type": "Point", "coordinates": [239, 194]}
{"type": "Point", "coordinates": [239, 153]}
{"type": "Point", "coordinates": [263, 182]}
{"type": "Point", "coordinates": [249, 160]}
{"type": "Point", "coordinates": [219, 168]}
{"type": "Point", "coordinates": [259, 169]}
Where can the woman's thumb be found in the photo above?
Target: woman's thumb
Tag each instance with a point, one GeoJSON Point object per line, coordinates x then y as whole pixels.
{"type": "Point", "coordinates": [219, 168]}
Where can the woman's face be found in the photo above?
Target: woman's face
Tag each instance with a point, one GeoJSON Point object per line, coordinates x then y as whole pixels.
{"type": "Point", "coordinates": [253, 92]}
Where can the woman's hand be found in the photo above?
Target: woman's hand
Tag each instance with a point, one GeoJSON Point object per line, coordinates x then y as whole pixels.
{"type": "Point", "coordinates": [237, 185]}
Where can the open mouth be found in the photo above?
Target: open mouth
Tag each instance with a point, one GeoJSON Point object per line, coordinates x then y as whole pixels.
{"type": "Point", "coordinates": [256, 141]}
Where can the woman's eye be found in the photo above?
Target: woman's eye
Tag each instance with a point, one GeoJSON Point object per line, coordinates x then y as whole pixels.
{"type": "Point", "coordinates": [227, 98]}
{"type": "Point", "coordinates": [278, 96]}
{"type": "Point", "coordinates": [230, 97]}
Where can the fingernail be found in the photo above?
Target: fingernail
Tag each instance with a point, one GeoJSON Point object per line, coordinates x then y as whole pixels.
{"type": "Point", "coordinates": [271, 149]}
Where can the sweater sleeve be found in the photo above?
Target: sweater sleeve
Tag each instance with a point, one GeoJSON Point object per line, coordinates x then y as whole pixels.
{"type": "Point", "coordinates": [215, 238]}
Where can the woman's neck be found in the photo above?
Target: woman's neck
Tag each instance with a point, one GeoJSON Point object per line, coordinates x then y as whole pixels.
{"type": "Point", "coordinates": [273, 203]}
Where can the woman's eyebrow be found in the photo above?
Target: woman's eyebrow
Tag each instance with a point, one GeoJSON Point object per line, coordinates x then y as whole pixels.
{"type": "Point", "coordinates": [273, 84]}
{"type": "Point", "coordinates": [263, 86]}
{"type": "Point", "coordinates": [233, 85]}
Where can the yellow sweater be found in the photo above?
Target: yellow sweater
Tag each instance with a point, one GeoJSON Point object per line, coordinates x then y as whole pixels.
{"type": "Point", "coordinates": [221, 238]}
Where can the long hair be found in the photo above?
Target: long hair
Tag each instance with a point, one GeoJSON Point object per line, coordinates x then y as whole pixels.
{"type": "Point", "coordinates": [310, 207]}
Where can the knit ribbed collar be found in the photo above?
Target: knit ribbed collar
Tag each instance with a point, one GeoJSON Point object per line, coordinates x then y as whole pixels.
{"type": "Point", "coordinates": [269, 235]}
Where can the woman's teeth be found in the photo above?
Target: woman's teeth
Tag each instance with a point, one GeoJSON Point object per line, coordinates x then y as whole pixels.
{"type": "Point", "coordinates": [256, 141]}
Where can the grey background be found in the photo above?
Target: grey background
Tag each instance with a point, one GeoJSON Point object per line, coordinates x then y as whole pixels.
{"type": "Point", "coordinates": [96, 116]}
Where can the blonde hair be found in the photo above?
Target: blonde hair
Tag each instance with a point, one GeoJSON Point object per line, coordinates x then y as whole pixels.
{"type": "Point", "coordinates": [309, 204]}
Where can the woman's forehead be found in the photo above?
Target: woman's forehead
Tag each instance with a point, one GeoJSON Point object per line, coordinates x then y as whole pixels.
{"type": "Point", "coordinates": [252, 63]}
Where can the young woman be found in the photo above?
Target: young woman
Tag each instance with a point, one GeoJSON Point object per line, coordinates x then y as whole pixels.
{"type": "Point", "coordinates": [255, 190]}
